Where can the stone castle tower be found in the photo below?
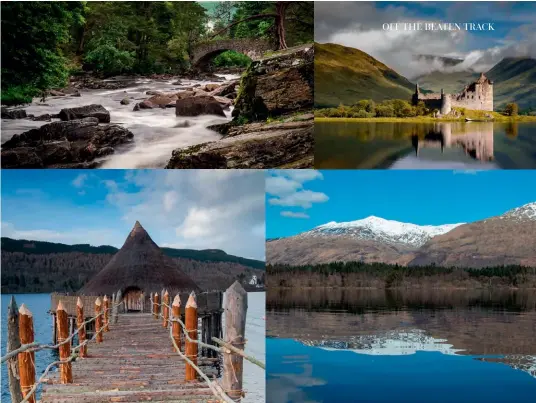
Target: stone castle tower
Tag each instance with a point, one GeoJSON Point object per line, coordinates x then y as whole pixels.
{"type": "Point", "coordinates": [476, 96]}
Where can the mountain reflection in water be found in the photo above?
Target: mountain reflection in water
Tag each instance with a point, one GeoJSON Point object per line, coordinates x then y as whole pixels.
{"type": "Point", "coordinates": [486, 327]}
{"type": "Point", "coordinates": [430, 145]}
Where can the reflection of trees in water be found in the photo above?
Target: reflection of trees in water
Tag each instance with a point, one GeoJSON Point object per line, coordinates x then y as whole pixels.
{"type": "Point", "coordinates": [512, 129]}
{"type": "Point", "coordinates": [357, 300]}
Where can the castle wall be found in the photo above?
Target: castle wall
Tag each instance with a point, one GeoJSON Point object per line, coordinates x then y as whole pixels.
{"type": "Point", "coordinates": [479, 99]}
{"type": "Point", "coordinates": [476, 96]}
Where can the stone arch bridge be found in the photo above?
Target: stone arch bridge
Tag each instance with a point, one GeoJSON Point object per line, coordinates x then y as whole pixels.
{"type": "Point", "coordinates": [206, 51]}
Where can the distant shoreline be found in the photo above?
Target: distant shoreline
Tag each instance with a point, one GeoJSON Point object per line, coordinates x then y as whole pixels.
{"type": "Point", "coordinates": [424, 119]}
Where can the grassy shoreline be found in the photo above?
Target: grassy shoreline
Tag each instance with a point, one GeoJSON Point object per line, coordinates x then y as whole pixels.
{"type": "Point", "coordinates": [422, 119]}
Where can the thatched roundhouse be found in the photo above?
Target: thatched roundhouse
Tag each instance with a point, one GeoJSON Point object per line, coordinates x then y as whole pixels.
{"type": "Point", "coordinates": [139, 267]}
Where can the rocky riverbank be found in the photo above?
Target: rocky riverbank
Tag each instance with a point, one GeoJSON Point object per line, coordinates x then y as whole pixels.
{"type": "Point", "coordinates": [126, 122]}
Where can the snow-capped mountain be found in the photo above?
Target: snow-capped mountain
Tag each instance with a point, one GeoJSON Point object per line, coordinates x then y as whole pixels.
{"type": "Point", "coordinates": [385, 231]}
{"type": "Point", "coordinates": [523, 213]}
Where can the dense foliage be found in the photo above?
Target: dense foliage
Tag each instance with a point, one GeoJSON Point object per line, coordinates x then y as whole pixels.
{"type": "Point", "coordinates": [389, 275]}
{"type": "Point", "coordinates": [44, 42]}
{"type": "Point", "coordinates": [393, 108]}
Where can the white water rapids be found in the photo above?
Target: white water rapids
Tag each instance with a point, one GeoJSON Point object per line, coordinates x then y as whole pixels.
{"type": "Point", "coordinates": [157, 132]}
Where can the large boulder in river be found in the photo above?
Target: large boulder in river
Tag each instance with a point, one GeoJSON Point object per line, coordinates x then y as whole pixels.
{"type": "Point", "coordinates": [87, 111]}
{"type": "Point", "coordinates": [200, 105]}
{"type": "Point", "coordinates": [73, 143]}
{"type": "Point", "coordinates": [280, 84]}
{"type": "Point", "coordinates": [13, 113]}
{"type": "Point", "coordinates": [225, 89]}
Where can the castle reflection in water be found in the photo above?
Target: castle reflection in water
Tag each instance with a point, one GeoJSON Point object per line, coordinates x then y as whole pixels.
{"type": "Point", "coordinates": [476, 140]}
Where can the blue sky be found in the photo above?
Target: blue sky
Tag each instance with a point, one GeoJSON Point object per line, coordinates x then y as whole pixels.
{"type": "Point", "coordinates": [183, 209]}
{"type": "Point", "coordinates": [419, 197]}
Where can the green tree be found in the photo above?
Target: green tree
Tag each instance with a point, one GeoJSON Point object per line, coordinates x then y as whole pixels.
{"type": "Point", "coordinates": [511, 109]}
{"type": "Point", "coordinates": [33, 34]}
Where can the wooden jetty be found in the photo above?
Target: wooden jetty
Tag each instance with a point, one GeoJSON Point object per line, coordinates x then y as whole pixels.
{"type": "Point", "coordinates": [120, 340]}
{"type": "Point", "coordinates": [134, 363]}
{"type": "Point", "coordinates": [136, 356]}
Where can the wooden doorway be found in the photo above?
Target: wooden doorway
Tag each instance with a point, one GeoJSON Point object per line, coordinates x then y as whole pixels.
{"type": "Point", "coordinates": [133, 299]}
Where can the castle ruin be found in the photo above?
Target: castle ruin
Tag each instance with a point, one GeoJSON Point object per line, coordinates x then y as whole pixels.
{"type": "Point", "coordinates": [475, 96]}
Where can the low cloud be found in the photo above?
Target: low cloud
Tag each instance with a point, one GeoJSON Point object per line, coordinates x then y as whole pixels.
{"type": "Point", "coordinates": [292, 214]}
{"type": "Point", "coordinates": [359, 25]}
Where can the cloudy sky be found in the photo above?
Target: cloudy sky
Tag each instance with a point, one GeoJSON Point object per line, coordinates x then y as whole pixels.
{"type": "Point", "coordinates": [359, 25]}
{"type": "Point", "coordinates": [198, 209]}
{"type": "Point", "coordinates": [298, 201]}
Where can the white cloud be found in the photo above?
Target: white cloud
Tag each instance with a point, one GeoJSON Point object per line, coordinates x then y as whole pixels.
{"type": "Point", "coordinates": [293, 214]}
{"type": "Point", "coordinates": [204, 209]}
{"type": "Point", "coordinates": [287, 187]}
{"type": "Point", "coordinates": [170, 199]}
{"type": "Point", "coordinates": [303, 198]}
{"type": "Point", "coordinates": [78, 182]}
{"type": "Point", "coordinates": [278, 185]}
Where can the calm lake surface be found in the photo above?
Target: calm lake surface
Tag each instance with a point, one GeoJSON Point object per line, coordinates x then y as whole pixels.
{"type": "Point", "coordinates": [39, 304]}
{"type": "Point", "coordinates": [445, 145]}
{"type": "Point", "coordinates": [401, 346]}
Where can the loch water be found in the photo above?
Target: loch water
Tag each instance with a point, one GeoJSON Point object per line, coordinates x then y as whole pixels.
{"type": "Point", "coordinates": [39, 304]}
{"type": "Point", "coordinates": [350, 144]}
{"type": "Point", "coordinates": [418, 346]}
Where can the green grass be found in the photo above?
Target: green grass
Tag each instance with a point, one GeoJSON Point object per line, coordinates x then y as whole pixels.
{"type": "Point", "coordinates": [427, 119]}
{"type": "Point", "coordinates": [346, 75]}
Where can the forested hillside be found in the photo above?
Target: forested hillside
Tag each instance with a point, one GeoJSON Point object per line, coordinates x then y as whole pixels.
{"type": "Point", "coordinates": [45, 42]}
{"type": "Point", "coordinates": [31, 266]}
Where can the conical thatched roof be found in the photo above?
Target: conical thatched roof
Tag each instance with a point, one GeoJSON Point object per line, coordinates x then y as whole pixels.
{"type": "Point", "coordinates": [139, 263]}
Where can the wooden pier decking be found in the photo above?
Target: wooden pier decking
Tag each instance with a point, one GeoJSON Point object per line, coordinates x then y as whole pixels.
{"type": "Point", "coordinates": [135, 363]}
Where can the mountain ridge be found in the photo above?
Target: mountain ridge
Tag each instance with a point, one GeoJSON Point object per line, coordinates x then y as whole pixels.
{"type": "Point", "coordinates": [347, 75]}
{"type": "Point", "coordinates": [504, 239]}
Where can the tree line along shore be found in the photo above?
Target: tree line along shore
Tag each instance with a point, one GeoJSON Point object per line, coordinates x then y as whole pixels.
{"type": "Point", "coordinates": [382, 275]}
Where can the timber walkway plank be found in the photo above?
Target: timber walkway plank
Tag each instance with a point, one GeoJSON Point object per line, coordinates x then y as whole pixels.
{"type": "Point", "coordinates": [135, 363]}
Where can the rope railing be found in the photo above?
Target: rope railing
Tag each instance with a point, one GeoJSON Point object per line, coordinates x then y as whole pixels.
{"type": "Point", "coordinates": [229, 347]}
{"type": "Point", "coordinates": [73, 356]}
{"type": "Point", "coordinates": [162, 310]}
{"type": "Point", "coordinates": [24, 328]}
{"type": "Point", "coordinates": [36, 346]}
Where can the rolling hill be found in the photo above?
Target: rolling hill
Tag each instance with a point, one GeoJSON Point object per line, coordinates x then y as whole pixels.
{"type": "Point", "coordinates": [514, 81]}
{"type": "Point", "coordinates": [346, 75]}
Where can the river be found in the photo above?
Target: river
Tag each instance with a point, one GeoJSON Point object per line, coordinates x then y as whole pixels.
{"type": "Point", "coordinates": [39, 304]}
{"type": "Point", "coordinates": [407, 145]}
{"type": "Point", "coordinates": [157, 132]}
{"type": "Point", "coordinates": [418, 346]}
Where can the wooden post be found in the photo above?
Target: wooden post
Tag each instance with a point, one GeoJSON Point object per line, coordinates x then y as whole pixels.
{"type": "Point", "coordinates": [191, 327]}
{"type": "Point", "coordinates": [175, 326]}
{"type": "Point", "coordinates": [115, 308]}
{"type": "Point", "coordinates": [165, 310]}
{"type": "Point", "coordinates": [13, 343]}
{"type": "Point", "coordinates": [98, 321]}
{"type": "Point", "coordinates": [54, 331]}
{"type": "Point", "coordinates": [81, 332]}
{"type": "Point", "coordinates": [66, 373]}
{"type": "Point", "coordinates": [156, 307]}
{"type": "Point", "coordinates": [236, 306]}
{"type": "Point", "coordinates": [26, 359]}
{"type": "Point", "coordinates": [106, 317]}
